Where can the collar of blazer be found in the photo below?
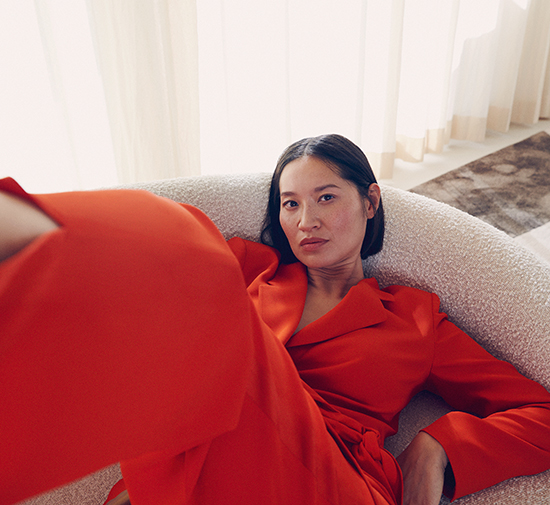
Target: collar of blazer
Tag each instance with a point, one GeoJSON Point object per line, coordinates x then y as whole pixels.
{"type": "Point", "coordinates": [281, 303]}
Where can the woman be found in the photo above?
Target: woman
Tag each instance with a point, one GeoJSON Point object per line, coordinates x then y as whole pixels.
{"type": "Point", "coordinates": [324, 227]}
{"type": "Point", "coordinates": [323, 193]}
{"type": "Point", "coordinates": [289, 399]}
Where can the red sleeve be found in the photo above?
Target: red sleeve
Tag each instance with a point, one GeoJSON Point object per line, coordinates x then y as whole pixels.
{"type": "Point", "coordinates": [503, 429]}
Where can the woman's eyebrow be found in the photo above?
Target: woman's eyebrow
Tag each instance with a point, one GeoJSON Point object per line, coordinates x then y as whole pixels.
{"type": "Point", "coordinates": [326, 186]}
{"type": "Point", "coordinates": [287, 193]}
{"type": "Point", "coordinates": [318, 189]}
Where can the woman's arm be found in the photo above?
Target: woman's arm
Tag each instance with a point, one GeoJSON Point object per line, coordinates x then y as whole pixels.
{"type": "Point", "coordinates": [423, 464]}
{"type": "Point", "coordinates": [501, 426]}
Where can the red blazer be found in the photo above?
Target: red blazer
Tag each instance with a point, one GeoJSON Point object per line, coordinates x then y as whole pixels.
{"type": "Point", "coordinates": [364, 361]}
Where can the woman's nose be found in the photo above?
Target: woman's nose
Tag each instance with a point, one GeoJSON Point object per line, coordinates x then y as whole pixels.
{"type": "Point", "coordinates": [308, 219]}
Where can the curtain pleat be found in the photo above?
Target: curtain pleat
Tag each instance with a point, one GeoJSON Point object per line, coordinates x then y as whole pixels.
{"type": "Point", "coordinates": [545, 100]}
{"type": "Point", "coordinates": [532, 70]}
{"type": "Point", "coordinates": [148, 55]}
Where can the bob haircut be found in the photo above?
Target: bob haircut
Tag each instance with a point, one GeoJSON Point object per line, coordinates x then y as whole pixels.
{"type": "Point", "coordinates": [350, 163]}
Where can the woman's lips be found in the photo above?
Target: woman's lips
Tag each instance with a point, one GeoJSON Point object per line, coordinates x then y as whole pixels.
{"type": "Point", "coordinates": [312, 243]}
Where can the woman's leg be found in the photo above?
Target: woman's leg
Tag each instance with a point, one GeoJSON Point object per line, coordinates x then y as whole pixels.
{"type": "Point", "coordinates": [122, 329]}
{"type": "Point", "coordinates": [279, 453]}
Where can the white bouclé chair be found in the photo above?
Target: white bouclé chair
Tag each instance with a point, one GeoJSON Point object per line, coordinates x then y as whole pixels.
{"type": "Point", "coordinates": [492, 288]}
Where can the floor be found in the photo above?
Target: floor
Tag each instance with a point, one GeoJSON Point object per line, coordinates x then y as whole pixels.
{"type": "Point", "coordinates": [458, 153]}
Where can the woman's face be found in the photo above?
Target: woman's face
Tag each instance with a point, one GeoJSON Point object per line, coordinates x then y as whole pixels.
{"type": "Point", "coordinates": [322, 215]}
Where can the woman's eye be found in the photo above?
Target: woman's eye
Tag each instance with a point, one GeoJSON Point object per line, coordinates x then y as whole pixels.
{"type": "Point", "coordinates": [326, 198]}
{"type": "Point", "coordinates": [289, 204]}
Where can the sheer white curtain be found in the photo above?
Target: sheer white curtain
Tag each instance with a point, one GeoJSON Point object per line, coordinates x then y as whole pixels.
{"type": "Point", "coordinates": [54, 134]}
{"type": "Point", "coordinates": [399, 77]}
{"type": "Point", "coordinates": [97, 92]}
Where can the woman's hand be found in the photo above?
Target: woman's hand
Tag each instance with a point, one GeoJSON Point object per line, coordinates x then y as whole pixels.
{"type": "Point", "coordinates": [423, 465]}
{"type": "Point", "coordinates": [20, 223]}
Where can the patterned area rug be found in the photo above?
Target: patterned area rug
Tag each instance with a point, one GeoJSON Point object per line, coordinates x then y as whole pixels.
{"type": "Point", "coordinates": [509, 189]}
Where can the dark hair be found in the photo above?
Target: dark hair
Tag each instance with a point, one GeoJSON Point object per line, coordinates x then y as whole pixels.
{"type": "Point", "coordinates": [350, 163]}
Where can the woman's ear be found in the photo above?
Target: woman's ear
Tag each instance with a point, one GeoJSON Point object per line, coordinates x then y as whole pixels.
{"type": "Point", "coordinates": [373, 200]}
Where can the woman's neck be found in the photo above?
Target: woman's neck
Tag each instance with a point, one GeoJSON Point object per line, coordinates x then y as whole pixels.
{"type": "Point", "coordinates": [326, 289]}
{"type": "Point", "coordinates": [337, 281]}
